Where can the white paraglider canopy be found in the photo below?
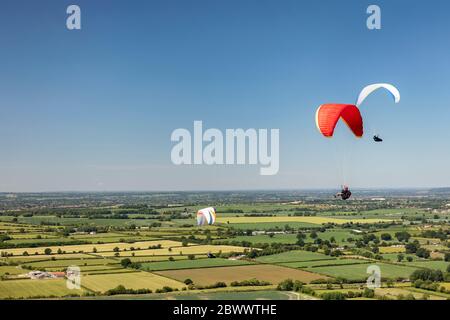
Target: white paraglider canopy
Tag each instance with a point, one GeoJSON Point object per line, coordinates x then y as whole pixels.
{"type": "Point", "coordinates": [373, 87]}
{"type": "Point", "coordinates": [206, 216]}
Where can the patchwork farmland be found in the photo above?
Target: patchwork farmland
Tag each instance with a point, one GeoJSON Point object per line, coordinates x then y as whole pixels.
{"type": "Point", "coordinates": [282, 249]}
{"type": "Point", "coordinates": [262, 272]}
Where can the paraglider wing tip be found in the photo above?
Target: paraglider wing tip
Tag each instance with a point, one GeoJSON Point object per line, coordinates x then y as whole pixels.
{"type": "Point", "coordinates": [367, 90]}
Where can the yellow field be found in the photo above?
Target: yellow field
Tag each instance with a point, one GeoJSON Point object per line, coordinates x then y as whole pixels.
{"type": "Point", "coordinates": [11, 270]}
{"type": "Point", "coordinates": [35, 288]}
{"type": "Point", "coordinates": [200, 249]}
{"type": "Point", "coordinates": [392, 249]}
{"type": "Point", "coordinates": [316, 220]}
{"type": "Point", "coordinates": [99, 247]}
{"type": "Point", "coordinates": [31, 258]}
{"type": "Point", "coordinates": [271, 273]}
{"type": "Point", "coordinates": [134, 280]}
{"type": "Point", "coordinates": [446, 285]}
{"type": "Point", "coordinates": [13, 229]}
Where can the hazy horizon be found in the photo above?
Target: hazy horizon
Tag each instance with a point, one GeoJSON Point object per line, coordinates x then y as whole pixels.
{"type": "Point", "coordinates": [232, 190]}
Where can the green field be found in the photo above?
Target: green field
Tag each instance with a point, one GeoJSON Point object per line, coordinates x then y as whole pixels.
{"type": "Point", "coordinates": [394, 256]}
{"type": "Point", "coordinates": [35, 258]}
{"type": "Point", "coordinates": [292, 256]}
{"type": "Point", "coordinates": [263, 272]}
{"type": "Point", "coordinates": [338, 235]}
{"type": "Point", "coordinates": [435, 265]}
{"type": "Point", "coordinates": [70, 262]}
{"type": "Point", "coordinates": [314, 220]}
{"type": "Point", "coordinates": [44, 241]}
{"type": "Point", "coordinates": [134, 280]}
{"type": "Point", "coordinates": [163, 258]}
{"type": "Point", "coordinates": [276, 238]}
{"type": "Point", "coordinates": [274, 225]}
{"type": "Point", "coordinates": [313, 264]}
{"type": "Point", "coordinates": [188, 264]}
{"type": "Point", "coordinates": [359, 271]}
{"type": "Point", "coordinates": [5, 270]}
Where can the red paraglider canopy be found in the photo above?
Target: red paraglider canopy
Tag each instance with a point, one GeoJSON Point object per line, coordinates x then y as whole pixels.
{"type": "Point", "coordinates": [328, 115]}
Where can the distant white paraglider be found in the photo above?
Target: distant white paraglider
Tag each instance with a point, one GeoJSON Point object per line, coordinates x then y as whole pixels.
{"type": "Point", "coordinates": [373, 87]}
{"type": "Point", "coordinates": [206, 216]}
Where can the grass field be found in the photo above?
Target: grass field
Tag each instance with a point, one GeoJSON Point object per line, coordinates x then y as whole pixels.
{"type": "Point", "coordinates": [85, 269]}
{"type": "Point", "coordinates": [394, 256]}
{"type": "Point", "coordinates": [4, 270]}
{"type": "Point", "coordinates": [28, 259]}
{"type": "Point", "coordinates": [35, 288]}
{"type": "Point", "coordinates": [106, 239]}
{"type": "Point", "coordinates": [135, 280]}
{"type": "Point", "coordinates": [37, 220]}
{"type": "Point", "coordinates": [277, 238]}
{"type": "Point", "coordinates": [271, 273]}
{"type": "Point", "coordinates": [188, 264]}
{"type": "Point", "coordinates": [108, 271]}
{"type": "Point", "coordinates": [312, 264]}
{"type": "Point", "coordinates": [293, 256]}
{"type": "Point", "coordinates": [359, 271]}
{"type": "Point", "coordinates": [44, 241]}
{"type": "Point", "coordinates": [313, 220]}
{"type": "Point", "coordinates": [236, 295]}
{"type": "Point", "coordinates": [95, 267]}
{"type": "Point", "coordinates": [163, 258]}
{"type": "Point", "coordinates": [338, 235]}
{"type": "Point", "coordinates": [273, 225]}
{"type": "Point", "coordinates": [436, 265]}
{"type": "Point", "coordinates": [70, 262]}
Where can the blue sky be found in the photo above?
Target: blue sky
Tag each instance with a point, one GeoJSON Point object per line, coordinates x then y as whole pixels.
{"type": "Point", "coordinates": [93, 109]}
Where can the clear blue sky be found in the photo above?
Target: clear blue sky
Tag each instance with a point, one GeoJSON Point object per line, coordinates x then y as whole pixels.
{"type": "Point", "coordinates": [94, 109]}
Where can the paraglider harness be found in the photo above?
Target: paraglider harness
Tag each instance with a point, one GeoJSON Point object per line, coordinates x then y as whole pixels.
{"type": "Point", "coordinates": [344, 194]}
{"type": "Point", "coordinates": [376, 138]}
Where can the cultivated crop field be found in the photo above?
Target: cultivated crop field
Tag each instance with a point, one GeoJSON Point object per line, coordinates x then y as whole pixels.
{"type": "Point", "coordinates": [319, 263]}
{"type": "Point", "coordinates": [35, 288]}
{"type": "Point", "coordinates": [69, 262]}
{"type": "Point", "coordinates": [293, 256]}
{"type": "Point", "coordinates": [135, 280]}
{"type": "Point", "coordinates": [359, 271]}
{"type": "Point", "coordinates": [270, 273]}
{"type": "Point", "coordinates": [189, 264]}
